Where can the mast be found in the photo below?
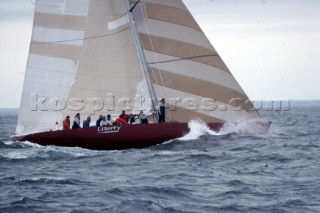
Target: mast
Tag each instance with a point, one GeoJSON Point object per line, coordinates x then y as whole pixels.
{"type": "Point", "coordinates": [141, 53]}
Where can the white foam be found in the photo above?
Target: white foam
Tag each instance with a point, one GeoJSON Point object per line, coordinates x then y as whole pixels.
{"type": "Point", "coordinates": [197, 129]}
{"type": "Point", "coordinates": [16, 154]}
{"type": "Point", "coordinates": [44, 152]}
{"type": "Point", "coordinates": [252, 127]}
{"type": "Point", "coordinates": [35, 145]}
{"type": "Point", "coordinates": [8, 142]}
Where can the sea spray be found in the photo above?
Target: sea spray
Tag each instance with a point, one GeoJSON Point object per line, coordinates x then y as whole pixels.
{"type": "Point", "coordinates": [251, 127]}
{"type": "Point", "coordinates": [197, 129]}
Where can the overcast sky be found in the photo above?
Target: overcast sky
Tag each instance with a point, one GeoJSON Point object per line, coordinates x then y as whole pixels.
{"type": "Point", "coordinates": [271, 46]}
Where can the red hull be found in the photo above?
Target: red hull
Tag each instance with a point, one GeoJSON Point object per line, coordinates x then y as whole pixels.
{"type": "Point", "coordinates": [114, 138]}
{"type": "Point", "coordinates": [122, 137]}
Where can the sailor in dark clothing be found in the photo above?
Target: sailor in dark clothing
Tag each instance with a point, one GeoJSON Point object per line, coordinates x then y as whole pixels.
{"type": "Point", "coordinates": [86, 123]}
{"type": "Point", "coordinates": [132, 118]}
{"type": "Point", "coordinates": [76, 122]}
{"type": "Point", "coordinates": [99, 121]}
{"type": "Point", "coordinates": [161, 111]}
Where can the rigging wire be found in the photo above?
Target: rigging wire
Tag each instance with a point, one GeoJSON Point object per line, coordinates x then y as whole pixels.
{"type": "Point", "coordinates": [82, 39]}
{"type": "Point", "coordinates": [153, 50]}
{"type": "Point", "coordinates": [182, 59]}
{"type": "Point", "coordinates": [132, 8]}
{"type": "Point", "coordinates": [154, 55]}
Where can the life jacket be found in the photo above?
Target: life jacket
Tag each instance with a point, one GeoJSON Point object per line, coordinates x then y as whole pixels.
{"type": "Point", "coordinates": [126, 117]}
{"type": "Point", "coordinates": [66, 124]}
{"type": "Point", "coordinates": [120, 121]}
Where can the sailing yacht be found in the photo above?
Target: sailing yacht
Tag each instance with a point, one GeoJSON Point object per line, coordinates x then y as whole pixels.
{"type": "Point", "coordinates": [103, 56]}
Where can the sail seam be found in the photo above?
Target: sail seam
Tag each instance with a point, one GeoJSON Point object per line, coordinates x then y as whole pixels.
{"type": "Point", "coordinates": [181, 59]}
{"type": "Point", "coordinates": [82, 39]}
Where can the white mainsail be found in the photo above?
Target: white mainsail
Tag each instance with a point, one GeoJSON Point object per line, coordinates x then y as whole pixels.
{"type": "Point", "coordinates": [83, 58]}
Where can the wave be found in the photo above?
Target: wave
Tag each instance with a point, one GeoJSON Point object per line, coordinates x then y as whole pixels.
{"type": "Point", "coordinates": [31, 151]}
{"type": "Point", "coordinates": [43, 180]}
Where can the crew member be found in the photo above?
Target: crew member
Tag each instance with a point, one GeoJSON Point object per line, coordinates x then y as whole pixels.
{"type": "Point", "coordinates": [76, 122]}
{"type": "Point", "coordinates": [120, 121]}
{"type": "Point", "coordinates": [86, 123]}
{"type": "Point", "coordinates": [66, 123]}
{"type": "Point", "coordinates": [143, 118]}
{"type": "Point", "coordinates": [98, 121]}
{"type": "Point", "coordinates": [161, 111]}
{"type": "Point", "coordinates": [125, 116]}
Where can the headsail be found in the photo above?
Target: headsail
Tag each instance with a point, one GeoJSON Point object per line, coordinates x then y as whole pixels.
{"type": "Point", "coordinates": [82, 57]}
{"type": "Point", "coordinates": [185, 67]}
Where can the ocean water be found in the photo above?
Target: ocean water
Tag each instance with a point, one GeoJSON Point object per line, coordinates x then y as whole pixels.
{"type": "Point", "coordinates": [202, 172]}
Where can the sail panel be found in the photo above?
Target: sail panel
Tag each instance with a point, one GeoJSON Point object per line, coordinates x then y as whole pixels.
{"type": "Point", "coordinates": [105, 8]}
{"type": "Point", "coordinates": [194, 70]}
{"type": "Point", "coordinates": [106, 54]}
{"type": "Point", "coordinates": [57, 21]}
{"type": "Point", "coordinates": [35, 123]}
{"type": "Point", "coordinates": [51, 76]}
{"type": "Point", "coordinates": [60, 21]}
{"type": "Point", "coordinates": [171, 14]}
{"type": "Point", "coordinates": [123, 70]}
{"type": "Point", "coordinates": [182, 50]}
{"type": "Point", "coordinates": [56, 51]}
{"type": "Point", "coordinates": [199, 87]}
{"type": "Point", "coordinates": [47, 35]}
{"type": "Point", "coordinates": [69, 7]}
{"type": "Point", "coordinates": [123, 85]}
{"type": "Point", "coordinates": [47, 79]}
{"type": "Point", "coordinates": [174, 31]}
{"type": "Point", "coordinates": [118, 38]}
{"type": "Point", "coordinates": [171, 3]}
{"type": "Point", "coordinates": [182, 60]}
